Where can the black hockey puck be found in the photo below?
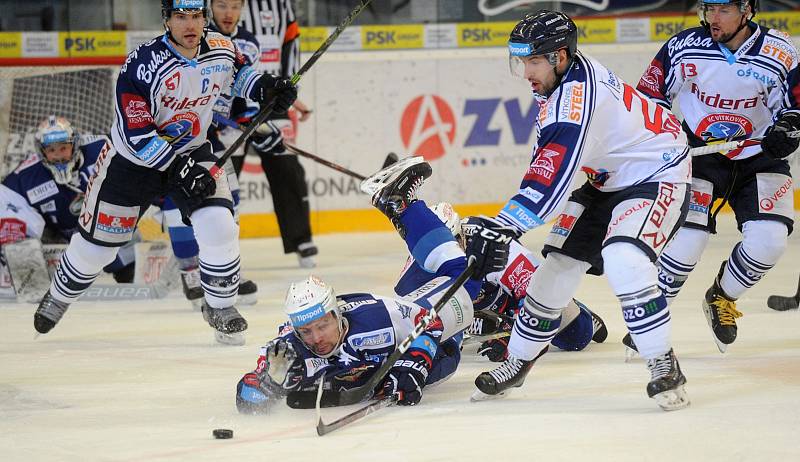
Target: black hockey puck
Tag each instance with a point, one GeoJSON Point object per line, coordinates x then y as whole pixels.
{"type": "Point", "coordinates": [222, 434]}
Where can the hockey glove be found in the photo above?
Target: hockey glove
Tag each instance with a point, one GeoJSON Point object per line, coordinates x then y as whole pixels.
{"type": "Point", "coordinates": [407, 377]}
{"type": "Point", "coordinates": [489, 242]}
{"type": "Point", "coordinates": [267, 139]}
{"type": "Point", "coordinates": [283, 91]}
{"type": "Point", "coordinates": [495, 350]}
{"type": "Point", "coordinates": [191, 179]}
{"type": "Point", "coordinates": [777, 144]}
{"type": "Point", "coordinates": [252, 396]}
{"type": "Point", "coordinates": [282, 373]}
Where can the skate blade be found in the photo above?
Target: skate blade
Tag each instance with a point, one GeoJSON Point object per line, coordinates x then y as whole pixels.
{"type": "Point", "coordinates": [306, 262]}
{"type": "Point", "coordinates": [722, 346]}
{"type": "Point", "coordinates": [247, 300]}
{"type": "Point", "coordinates": [381, 178]}
{"type": "Point", "coordinates": [630, 354]}
{"type": "Point", "coordinates": [234, 339]}
{"type": "Point", "coordinates": [478, 396]}
{"type": "Point", "coordinates": [672, 400]}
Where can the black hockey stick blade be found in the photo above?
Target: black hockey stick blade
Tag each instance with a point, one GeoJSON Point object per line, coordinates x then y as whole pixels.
{"type": "Point", "coordinates": [325, 428]}
{"type": "Point", "coordinates": [302, 399]}
{"type": "Point", "coordinates": [266, 111]}
{"type": "Point", "coordinates": [354, 395]}
{"type": "Point", "coordinates": [781, 303]}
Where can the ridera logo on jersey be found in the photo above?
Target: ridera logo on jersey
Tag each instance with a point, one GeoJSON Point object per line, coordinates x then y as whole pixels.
{"type": "Point", "coordinates": [181, 129]}
{"type": "Point", "coordinates": [546, 163]}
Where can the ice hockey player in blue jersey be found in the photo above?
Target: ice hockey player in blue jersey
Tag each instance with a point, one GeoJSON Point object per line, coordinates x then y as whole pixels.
{"type": "Point", "coordinates": [347, 338]}
{"type": "Point", "coordinates": [165, 96]}
{"type": "Point", "coordinates": [52, 181]}
{"type": "Point", "coordinates": [635, 157]}
{"type": "Point", "coordinates": [728, 78]}
{"type": "Point", "coordinates": [501, 295]}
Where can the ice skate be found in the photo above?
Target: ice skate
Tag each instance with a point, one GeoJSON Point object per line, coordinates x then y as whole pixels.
{"type": "Point", "coordinates": [305, 255]}
{"type": "Point", "coordinates": [667, 382]}
{"type": "Point", "coordinates": [630, 348]}
{"type": "Point", "coordinates": [599, 330]}
{"type": "Point", "coordinates": [499, 382]}
{"type": "Point", "coordinates": [248, 292]}
{"type": "Point", "coordinates": [487, 322]}
{"type": "Point", "coordinates": [49, 312]}
{"type": "Point", "coordinates": [395, 187]}
{"type": "Point", "coordinates": [228, 324]}
{"type": "Point", "coordinates": [190, 281]}
{"type": "Point", "coordinates": [721, 314]}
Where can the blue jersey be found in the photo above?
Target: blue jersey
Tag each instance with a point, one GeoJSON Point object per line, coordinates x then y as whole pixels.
{"type": "Point", "coordinates": [58, 204]}
{"type": "Point", "coordinates": [164, 102]}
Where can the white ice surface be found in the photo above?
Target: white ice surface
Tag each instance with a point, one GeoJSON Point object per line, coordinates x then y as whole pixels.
{"type": "Point", "coordinates": [133, 381]}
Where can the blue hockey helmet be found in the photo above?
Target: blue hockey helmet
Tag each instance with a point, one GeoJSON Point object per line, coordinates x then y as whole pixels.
{"type": "Point", "coordinates": [57, 130]}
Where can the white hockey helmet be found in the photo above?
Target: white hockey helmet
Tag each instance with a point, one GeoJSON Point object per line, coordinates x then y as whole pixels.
{"type": "Point", "coordinates": [53, 130]}
{"type": "Point", "coordinates": [309, 300]}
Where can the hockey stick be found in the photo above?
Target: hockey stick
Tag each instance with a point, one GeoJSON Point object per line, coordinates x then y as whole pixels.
{"type": "Point", "coordinates": [731, 145]}
{"type": "Point", "coordinates": [325, 428]}
{"type": "Point", "coordinates": [781, 303]}
{"type": "Point", "coordinates": [266, 111]}
{"type": "Point", "coordinates": [327, 163]}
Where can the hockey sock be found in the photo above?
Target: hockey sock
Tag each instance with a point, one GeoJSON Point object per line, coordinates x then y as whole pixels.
{"type": "Point", "coordinates": [679, 259]}
{"type": "Point", "coordinates": [762, 245]}
{"type": "Point", "coordinates": [633, 279]}
{"type": "Point", "coordinates": [181, 237]}
{"type": "Point", "coordinates": [428, 239]}
{"type": "Point", "coordinates": [80, 265]}
{"type": "Point", "coordinates": [218, 239]}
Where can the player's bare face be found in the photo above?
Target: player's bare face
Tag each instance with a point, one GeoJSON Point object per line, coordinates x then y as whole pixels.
{"type": "Point", "coordinates": [226, 14]}
{"type": "Point", "coordinates": [187, 30]}
{"type": "Point", "coordinates": [321, 336]}
{"type": "Point", "coordinates": [723, 21]}
{"type": "Point", "coordinates": [540, 73]}
{"type": "Point", "coordinates": [57, 153]}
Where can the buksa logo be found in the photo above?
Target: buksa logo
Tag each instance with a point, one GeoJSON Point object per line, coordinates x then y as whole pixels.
{"type": "Point", "coordinates": [428, 127]}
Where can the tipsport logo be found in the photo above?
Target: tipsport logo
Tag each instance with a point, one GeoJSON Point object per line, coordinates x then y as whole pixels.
{"type": "Point", "coordinates": [429, 126]}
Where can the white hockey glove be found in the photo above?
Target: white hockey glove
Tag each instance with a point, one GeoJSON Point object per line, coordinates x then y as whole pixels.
{"type": "Point", "coordinates": [283, 373]}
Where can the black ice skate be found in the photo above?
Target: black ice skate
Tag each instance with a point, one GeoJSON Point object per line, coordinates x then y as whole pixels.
{"type": "Point", "coordinates": [248, 292]}
{"type": "Point", "coordinates": [599, 330]}
{"type": "Point", "coordinates": [305, 254]}
{"type": "Point", "coordinates": [228, 324]}
{"type": "Point", "coordinates": [190, 280]}
{"type": "Point", "coordinates": [395, 187]}
{"type": "Point", "coordinates": [721, 314]}
{"type": "Point", "coordinates": [49, 312]}
{"type": "Point", "coordinates": [498, 383]}
{"type": "Point", "coordinates": [667, 382]}
{"type": "Point", "coordinates": [488, 322]}
{"type": "Point", "coordinates": [630, 348]}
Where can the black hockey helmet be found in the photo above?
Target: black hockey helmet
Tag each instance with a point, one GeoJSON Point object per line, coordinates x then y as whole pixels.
{"type": "Point", "coordinates": [168, 6]}
{"type": "Point", "coordinates": [543, 32]}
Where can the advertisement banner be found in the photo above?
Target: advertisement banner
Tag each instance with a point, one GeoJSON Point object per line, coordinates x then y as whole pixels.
{"type": "Point", "coordinates": [483, 34]}
{"type": "Point", "coordinates": [10, 44]}
{"type": "Point", "coordinates": [92, 44]}
{"type": "Point", "coordinates": [596, 30]}
{"type": "Point", "coordinates": [392, 37]}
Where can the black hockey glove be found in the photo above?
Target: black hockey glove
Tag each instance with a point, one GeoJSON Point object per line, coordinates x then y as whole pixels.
{"type": "Point", "coordinates": [283, 91]}
{"type": "Point", "coordinates": [191, 179]}
{"type": "Point", "coordinates": [408, 375]}
{"type": "Point", "coordinates": [489, 242]}
{"type": "Point", "coordinates": [495, 350]}
{"type": "Point", "coordinates": [777, 144]}
{"type": "Point", "coordinates": [267, 139]}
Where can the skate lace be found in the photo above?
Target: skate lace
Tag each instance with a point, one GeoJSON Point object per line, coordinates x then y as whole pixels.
{"type": "Point", "coordinates": [412, 190]}
{"type": "Point", "coordinates": [726, 311]}
{"type": "Point", "coordinates": [52, 308]}
{"type": "Point", "coordinates": [660, 366]}
{"type": "Point", "coordinates": [476, 328]}
{"type": "Point", "coordinates": [507, 370]}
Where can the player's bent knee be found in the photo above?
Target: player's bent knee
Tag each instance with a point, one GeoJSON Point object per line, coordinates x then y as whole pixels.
{"type": "Point", "coordinates": [767, 239]}
{"type": "Point", "coordinates": [628, 268]}
{"type": "Point", "coordinates": [214, 226]}
{"type": "Point", "coordinates": [90, 257]}
{"type": "Point", "coordinates": [555, 281]}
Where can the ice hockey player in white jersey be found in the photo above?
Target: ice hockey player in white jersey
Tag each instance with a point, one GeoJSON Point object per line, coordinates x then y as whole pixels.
{"type": "Point", "coordinates": [164, 99]}
{"type": "Point", "coordinates": [728, 79]}
{"type": "Point", "coordinates": [347, 338]}
{"type": "Point", "coordinates": [636, 159]}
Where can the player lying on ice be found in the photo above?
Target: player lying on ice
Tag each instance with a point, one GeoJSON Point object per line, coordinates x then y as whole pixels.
{"type": "Point", "coordinates": [501, 295]}
{"type": "Point", "coordinates": [346, 338]}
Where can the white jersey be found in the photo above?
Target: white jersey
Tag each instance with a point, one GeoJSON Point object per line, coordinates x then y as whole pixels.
{"type": "Point", "coordinates": [595, 123]}
{"type": "Point", "coordinates": [722, 94]}
{"type": "Point", "coordinates": [164, 102]}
